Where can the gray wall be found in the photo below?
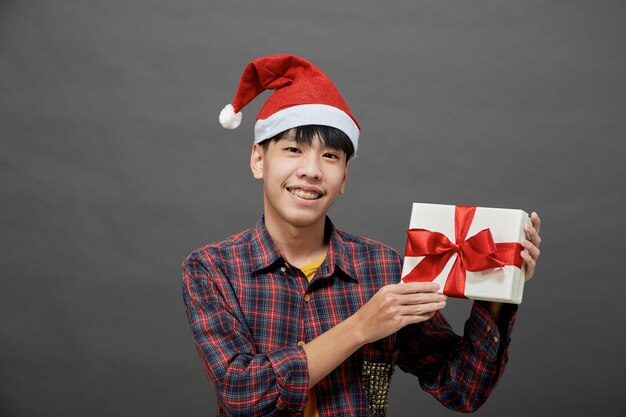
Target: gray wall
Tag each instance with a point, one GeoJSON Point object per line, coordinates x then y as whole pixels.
{"type": "Point", "coordinates": [113, 167]}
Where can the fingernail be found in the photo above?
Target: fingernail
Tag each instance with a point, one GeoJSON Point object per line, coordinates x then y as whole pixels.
{"type": "Point", "coordinates": [434, 285]}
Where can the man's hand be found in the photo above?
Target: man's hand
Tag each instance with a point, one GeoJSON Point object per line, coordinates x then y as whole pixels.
{"type": "Point", "coordinates": [531, 252]}
{"type": "Point", "coordinates": [390, 309]}
{"type": "Point", "coordinates": [395, 306]}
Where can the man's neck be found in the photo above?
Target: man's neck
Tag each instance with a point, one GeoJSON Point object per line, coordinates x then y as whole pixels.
{"type": "Point", "coordinates": [299, 245]}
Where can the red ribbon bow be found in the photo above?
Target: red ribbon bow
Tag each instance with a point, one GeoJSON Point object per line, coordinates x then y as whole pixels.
{"type": "Point", "coordinates": [478, 253]}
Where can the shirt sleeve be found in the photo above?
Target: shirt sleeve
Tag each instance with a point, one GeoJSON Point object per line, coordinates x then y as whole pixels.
{"type": "Point", "coordinates": [247, 383]}
{"type": "Point", "coordinates": [459, 371]}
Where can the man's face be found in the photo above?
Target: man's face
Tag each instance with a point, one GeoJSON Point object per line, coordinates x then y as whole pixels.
{"type": "Point", "coordinates": [300, 182]}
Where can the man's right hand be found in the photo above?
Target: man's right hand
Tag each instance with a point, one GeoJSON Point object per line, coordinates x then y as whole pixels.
{"type": "Point", "coordinates": [395, 306]}
{"type": "Point", "coordinates": [389, 310]}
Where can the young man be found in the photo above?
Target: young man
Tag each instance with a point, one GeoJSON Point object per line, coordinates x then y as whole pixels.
{"type": "Point", "coordinates": [295, 317]}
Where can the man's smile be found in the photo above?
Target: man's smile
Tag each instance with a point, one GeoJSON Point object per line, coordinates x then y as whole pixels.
{"type": "Point", "coordinates": [305, 194]}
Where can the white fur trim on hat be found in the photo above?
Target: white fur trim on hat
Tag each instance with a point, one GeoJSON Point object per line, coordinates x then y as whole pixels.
{"type": "Point", "coordinates": [306, 114]}
{"type": "Point", "coordinates": [228, 118]}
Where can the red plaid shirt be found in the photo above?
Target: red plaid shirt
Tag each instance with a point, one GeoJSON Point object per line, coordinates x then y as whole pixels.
{"type": "Point", "coordinates": [248, 310]}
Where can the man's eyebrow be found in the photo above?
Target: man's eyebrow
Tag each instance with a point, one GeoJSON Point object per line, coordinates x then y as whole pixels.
{"type": "Point", "coordinates": [332, 148]}
{"type": "Point", "coordinates": [287, 139]}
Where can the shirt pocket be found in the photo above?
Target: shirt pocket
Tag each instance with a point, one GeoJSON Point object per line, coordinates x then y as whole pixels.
{"type": "Point", "coordinates": [377, 366]}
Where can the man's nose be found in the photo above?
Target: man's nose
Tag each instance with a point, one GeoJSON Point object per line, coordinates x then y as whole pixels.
{"type": "Point", "coordinates": [310, 166]}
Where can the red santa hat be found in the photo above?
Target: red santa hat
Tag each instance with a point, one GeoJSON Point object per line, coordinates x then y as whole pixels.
{"type": "Point", "coordinates": [303, 95]}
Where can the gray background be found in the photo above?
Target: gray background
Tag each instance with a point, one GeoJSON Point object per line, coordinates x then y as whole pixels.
{"type": "Point", "coordinates": [113, 167]}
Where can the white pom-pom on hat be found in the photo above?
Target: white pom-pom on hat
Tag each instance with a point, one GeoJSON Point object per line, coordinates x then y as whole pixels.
{"type": "Point", "coordinates": [229, 119]}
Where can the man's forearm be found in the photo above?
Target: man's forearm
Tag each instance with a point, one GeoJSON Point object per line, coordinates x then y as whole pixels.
{"type": "Point", "coordinates": [494, 309]}
{"type": "Point", "coordinates": [330, 349]}
{"type": "Point", "coordinates": [389, 310]}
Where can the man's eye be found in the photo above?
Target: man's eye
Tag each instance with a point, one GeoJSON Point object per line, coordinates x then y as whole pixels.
{"type": "Point", "coordinates": [331, 155]}
{"type": "Point", "coordinates": [292, 149]}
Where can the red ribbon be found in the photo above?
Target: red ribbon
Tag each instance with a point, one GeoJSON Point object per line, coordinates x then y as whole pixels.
{"type": "Point", "coordinates": [478, 253]}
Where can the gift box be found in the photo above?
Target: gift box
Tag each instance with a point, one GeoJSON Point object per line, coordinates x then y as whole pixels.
{"type": "Point", "coordinates": [471, 252]}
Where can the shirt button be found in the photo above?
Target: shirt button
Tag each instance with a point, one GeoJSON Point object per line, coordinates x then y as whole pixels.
{"type": "Point", "coordinates": [301, 343]}
{"type": "Point", "coordinates": [495, 339]}
{"type": "Point", "coordinates": [488, 328]}
{"type": "Point", "coordinates": [283, 269]}
{"type": "Point", "coordinates": [307, 298]}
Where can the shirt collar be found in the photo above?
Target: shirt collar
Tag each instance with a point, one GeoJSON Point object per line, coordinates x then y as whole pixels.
{"type": "Point", "coordinates": [263, 250]}
{"type": "Point", "coordinates": [265, 253]}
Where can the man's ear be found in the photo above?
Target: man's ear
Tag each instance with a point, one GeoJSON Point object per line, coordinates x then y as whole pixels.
{"type": "Point", "coordinates": [256, 161]}
{"type": "Point", "coordinates": [345, 179]}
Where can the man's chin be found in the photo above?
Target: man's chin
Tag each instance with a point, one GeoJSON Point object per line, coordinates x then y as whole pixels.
{"type": "Point", "coordinates": [303, 220]}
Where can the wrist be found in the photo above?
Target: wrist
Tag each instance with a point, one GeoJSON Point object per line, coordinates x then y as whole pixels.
{"type": "Point", "coordinates": [493, 308]}
{"type": "Point", "coordinates": [356, 330]}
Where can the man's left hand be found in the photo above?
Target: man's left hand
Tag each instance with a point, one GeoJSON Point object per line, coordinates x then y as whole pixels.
{"type": "Point", "coordinates": [531, 252]}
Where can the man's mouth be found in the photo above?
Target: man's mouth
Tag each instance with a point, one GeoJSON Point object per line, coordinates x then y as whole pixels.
{"type": "Point", "coordinates": [307, 195]}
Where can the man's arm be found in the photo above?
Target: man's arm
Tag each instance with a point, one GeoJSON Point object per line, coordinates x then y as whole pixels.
{"type": "Point", "coordinates": [389, 310]}
{"type": "Point", "coordinates": [461, 372]}
{"type": "Point", "coordinates": [247, 383]}
{"type": "Point", "coordinates": [251, 384]}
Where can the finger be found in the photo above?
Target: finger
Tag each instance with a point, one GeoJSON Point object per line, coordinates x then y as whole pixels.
{"type": "Point", "coordinates": [418, 319]}
{"type": "Point", "coordinates": [415, 287]}
{"type": "Point", "coordinates": [422, 309]}
{"type": "Point", "coordinates": [530, 265]}
{"type": "Point", "coordinates": [531, 249]}
{"type": "Point", "coordinates": [534, 217]}
{"type": "Point", "coordinates": [421, 298]}
{"type": "Point", "coordinates": [532, 235]}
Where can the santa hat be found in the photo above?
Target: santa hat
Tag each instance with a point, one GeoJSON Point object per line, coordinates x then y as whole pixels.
{"type": "Point", "coordinates": [303, 95]}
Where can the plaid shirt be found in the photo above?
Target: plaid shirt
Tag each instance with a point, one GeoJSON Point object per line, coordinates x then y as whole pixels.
{"type": "Point", "coordinates": [249, 310]}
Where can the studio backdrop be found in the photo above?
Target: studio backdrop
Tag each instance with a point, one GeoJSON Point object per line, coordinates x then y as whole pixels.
{"type": "Point", "coordinates": [113, 167]}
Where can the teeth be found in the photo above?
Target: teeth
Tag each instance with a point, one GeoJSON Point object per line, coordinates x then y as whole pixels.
{"type": "Point", "coordinates": [307, 195]}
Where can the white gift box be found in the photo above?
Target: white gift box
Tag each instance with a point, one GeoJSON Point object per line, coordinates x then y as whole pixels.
{"type": "Point", "coordinates": [503, 284]}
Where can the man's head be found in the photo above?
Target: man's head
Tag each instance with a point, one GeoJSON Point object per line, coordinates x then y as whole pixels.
{"type": "Point", "coordinates": [303, 170]}
{"type": "Point", "coordinates": [304, 136]}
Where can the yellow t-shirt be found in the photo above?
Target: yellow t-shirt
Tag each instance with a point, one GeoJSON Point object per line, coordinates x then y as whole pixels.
{"type": "Point", "coordinates": [311, 406]}
{"type": "Point", "coordinates": [310, 269]}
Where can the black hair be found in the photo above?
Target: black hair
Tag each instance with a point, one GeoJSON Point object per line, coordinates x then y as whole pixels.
{"type": "Point", "coordinates": [330, 136]}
